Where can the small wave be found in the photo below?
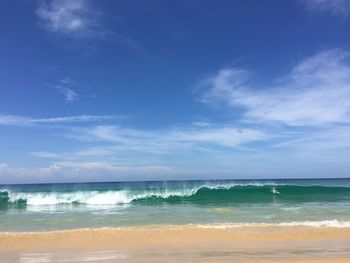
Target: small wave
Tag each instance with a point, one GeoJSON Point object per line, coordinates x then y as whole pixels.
{"type": "Point", "coordinates": [291, 208]}
{"type": "Point", "coordinates": [323, 223]}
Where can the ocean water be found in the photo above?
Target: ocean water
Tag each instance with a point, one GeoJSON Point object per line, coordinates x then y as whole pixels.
{"type": "Point", "coordinates": [218, 203]}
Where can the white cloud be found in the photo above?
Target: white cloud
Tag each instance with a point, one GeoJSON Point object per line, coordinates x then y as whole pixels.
{"type": "Point", "coordinates": [138, 147]}
{"type": "Point", "coordinates": [315, 92]}
{"type": "Point", "coordinates": [74, 19]}
{"type": "Point", "coordinates": [95, 151]}
{"type": "Point", "coordinates": [48, 155]}
{"type": "Point", "coordinates": [165, 141]}
{"type": "Point", "coordinates": [109, 166]}
{"type": "Point", "coordinates": [3, 165]}
{"type": "Point", "coordinates": [68, 171]}
{"type": "Point", "coordinates": [226, 136]}
{"type": "Point", "coordinates": [86, 153]}
{"type": "Point", "coordinates": [326, 140]}
{"type": "Point", "coordinates": [69, 94]}
{"type": "Point", "coordinates": [65, 88]}
{"type": "Point", "coordinates": [13, 120]}
{"type": "Point", "coordinates": [78, 118]}
{"type": "Point", "coordinates": [81, 23]}
{"type": "Point", "coordinates": [10, 174]}
{"type": "Point", "coordinates": [335, 7]}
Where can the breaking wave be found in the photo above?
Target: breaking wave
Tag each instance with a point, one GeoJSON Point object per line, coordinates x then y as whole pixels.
{"type": "Point", "coordinates": [249, 193]}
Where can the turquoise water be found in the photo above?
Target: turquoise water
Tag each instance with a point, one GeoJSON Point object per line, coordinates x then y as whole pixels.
{"type": "Point", "coordinates": [45, 207]}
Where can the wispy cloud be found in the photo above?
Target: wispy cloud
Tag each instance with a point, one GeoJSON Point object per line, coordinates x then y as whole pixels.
{"type": "Point", "coordinates": [73, 19]}
{"type": "Point", "coordinates": [13, 120]}
{"type": "Point", "coordinates": [80, 22]}
{"type": "Point", "coordinates": [69, 94]}
{"type": "Point", "coordinates": [173, 138]}
{"type": "Point", "coordinates": [68, 171]}
{"type": "Point", "coordinates": [47, 155]}
{"type": "Point", "coordinates": [307, 110]}
{"type": "Point", "coordinates": [94, 151]}
{"type": "Point", "coordinates": [334, 7]}
{"type": "Point", "coordinates": [316, 141]}
{"type": "Point", "coordinates": [107, 166]}
{"type": "Point", "coordinates": [133, 147]}
{"type": "Point", "coordinates": [315, 92]}
{"type": "Point", "coordinates": [65, 87]}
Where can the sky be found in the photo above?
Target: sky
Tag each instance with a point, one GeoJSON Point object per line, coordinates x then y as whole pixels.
{"type": "Point", "coordinates": [163, 90]}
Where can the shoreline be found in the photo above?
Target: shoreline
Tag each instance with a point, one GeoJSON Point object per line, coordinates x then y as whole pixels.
{"type": "Point", "coordinates": [322, 224]}
{"type": "Point", "coordinates": [332, 224]}
{"type": "Point", "coordinates": [168, 243]}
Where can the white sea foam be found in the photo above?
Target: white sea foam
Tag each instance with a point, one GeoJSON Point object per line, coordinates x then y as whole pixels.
{"type": "Point", "coordinates": [323, 223]}
{"type": "Point", "coordinates": [92, 197]}
{"type": "Point", "coordinates": [53, 198]}
{"type": "Point", "coordinates": [290, 208]}
{"type": "Point", "coordinates": [274, 191]}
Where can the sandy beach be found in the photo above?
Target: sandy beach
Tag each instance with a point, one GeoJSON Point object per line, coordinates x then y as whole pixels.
{"type": "Point", "coordinates": [188, 243]}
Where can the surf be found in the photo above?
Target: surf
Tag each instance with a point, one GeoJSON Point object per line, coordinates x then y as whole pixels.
{"type": "Point", "coordinates": [203, 194]}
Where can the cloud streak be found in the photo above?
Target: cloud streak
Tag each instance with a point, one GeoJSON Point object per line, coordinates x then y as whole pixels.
{"type": "Point", "coordinates": [68, 171]}
{"type": "Point", "coordinates": [14, 120]}
{"type": "Point", "coordinates": [170, 139]}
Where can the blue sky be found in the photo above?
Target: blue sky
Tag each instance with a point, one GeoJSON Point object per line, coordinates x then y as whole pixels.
{"type": "Point", "coordinates": [159, 90]}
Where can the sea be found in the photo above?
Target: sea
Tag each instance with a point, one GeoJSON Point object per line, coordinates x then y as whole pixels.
{"type": "Point", "coordinates": [215, 203]}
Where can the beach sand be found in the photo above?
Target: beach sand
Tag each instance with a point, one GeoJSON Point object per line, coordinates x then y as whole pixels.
{"type": "Point", "coordinates": [188, 243]}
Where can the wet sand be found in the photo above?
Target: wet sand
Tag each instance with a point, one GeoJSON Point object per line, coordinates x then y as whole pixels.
{"type": "Point", "coordinates": [180, 243]}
